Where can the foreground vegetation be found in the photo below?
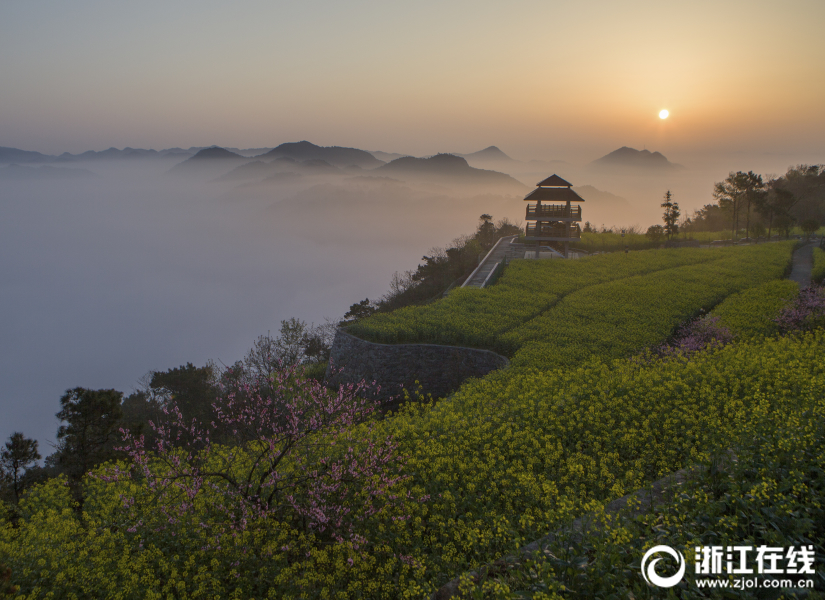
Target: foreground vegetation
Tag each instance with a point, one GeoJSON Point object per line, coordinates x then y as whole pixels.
{"type": "Point", "coordinates": [764, 486]}
{"type": "Point", "coordinates": [464, 481]}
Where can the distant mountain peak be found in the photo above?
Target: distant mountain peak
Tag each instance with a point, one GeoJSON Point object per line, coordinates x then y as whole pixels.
{"type": "Point", "coordinates": [334, 155]}
{"type": "Point", "coordinates": [208, 159]}
{"type": "Point", "coordinates": [489, 153]}
{"type": "Point", "coordinates": [630, 157]}
{"type": "Point", "coordinates": [214, 152]}
{"type": "Point", "coordinates": [446, 167]}
{"type": "Point", "coordinates": [451, 163]}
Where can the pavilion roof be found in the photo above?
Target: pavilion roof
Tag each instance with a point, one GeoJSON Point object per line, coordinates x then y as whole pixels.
{"type": "Point", "coordinates": [554, 181]}
{"type": "Point", "coordinates": [556, 194]}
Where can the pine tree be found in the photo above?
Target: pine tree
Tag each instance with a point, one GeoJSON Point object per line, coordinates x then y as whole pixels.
{"type": "Point", "coordinates": [90, 431]}
{"type": "Point", "coordinates": [20, 452]}
{"type": "Point", "coordinates": [671, 215]}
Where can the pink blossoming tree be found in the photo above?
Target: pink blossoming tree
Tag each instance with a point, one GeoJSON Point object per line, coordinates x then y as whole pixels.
{"type": "Point", "coordinates": [281, 446]}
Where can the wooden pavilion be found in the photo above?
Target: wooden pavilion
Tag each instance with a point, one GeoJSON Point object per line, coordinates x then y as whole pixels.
{"type": "Point", "coordinates": [555, 223]}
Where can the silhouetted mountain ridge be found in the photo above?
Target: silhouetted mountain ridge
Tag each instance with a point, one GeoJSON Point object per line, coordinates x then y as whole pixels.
{"type": "Point", "coordinates": [491, 153]}
{"type": "Point", "coordinates": [14, 155]}
{"type": "Point", "coordinates": [630, 157]}
{"type": "Point", "coordinates": [445, 166]}
{"type": "Point", "coordinates": [214, 153]}
{"type": "Point", "coordinates": [279, 167]}
{"type": "Point", "coordinates": [207, 160]}
{"type": "Point", "coordinates": [334, 155]}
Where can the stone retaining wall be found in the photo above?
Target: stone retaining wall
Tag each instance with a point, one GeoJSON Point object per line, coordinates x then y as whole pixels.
{"type": "Point", "coordinates": [438, 369]}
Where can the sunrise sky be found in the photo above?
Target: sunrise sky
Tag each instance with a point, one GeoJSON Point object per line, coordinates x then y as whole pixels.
{"type": "Point", "coordinates": [539, 79]}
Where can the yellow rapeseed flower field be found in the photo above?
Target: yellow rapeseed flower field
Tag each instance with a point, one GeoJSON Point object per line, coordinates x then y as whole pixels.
{"type": "Point", "coordinates": [576, 421]}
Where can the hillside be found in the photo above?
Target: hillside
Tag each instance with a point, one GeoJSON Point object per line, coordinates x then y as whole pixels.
{"type": "Point", "coordinates": [626, 157]}
{"type": "Point", "coordinates": [446, 167]}
{"type": "Point", "coordinates": [593, 406]}
{"type": "Point", "coordinates": [214, 153]}
{"type": "Point", "coordinates": [278, 168]}
{"type": "Point", "coordinates": [14, 155]}
{"type": "Point", "coordinates": [386, 156]}
{"type": "Point", "coordinates": [207, 160]}
{"type": "Point", "coordinates": [334, 155]}
{"type": "Point", "coordinates": [113, 154]}
{"type": "Point", "coordinates": [489, 154]}
{"type": "Point", "coordinates": [539, 308]}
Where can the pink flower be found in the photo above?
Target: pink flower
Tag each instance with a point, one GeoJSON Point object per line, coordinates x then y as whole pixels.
{"type": "Point", "coordinates": [307, 467]}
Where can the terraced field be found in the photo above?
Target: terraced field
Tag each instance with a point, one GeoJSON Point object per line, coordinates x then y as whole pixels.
{"type": "Point", "coordinates": [610, 303]}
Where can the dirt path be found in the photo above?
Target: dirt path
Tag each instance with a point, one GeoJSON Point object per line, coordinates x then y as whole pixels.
{"type": "Point", "coordinates": [803, 264]}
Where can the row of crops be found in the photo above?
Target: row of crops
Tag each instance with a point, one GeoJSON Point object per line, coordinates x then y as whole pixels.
{"type": "Point", "coordinates": [751, 313]}
{"type": "Point", "coordinates": [503, 461]}
{"type": "Point", "coordinates": [614, 319]}
{"type": "Point", "coordinates": [478, 317]}
{"type": "Point", "coordinates": [569, 304]}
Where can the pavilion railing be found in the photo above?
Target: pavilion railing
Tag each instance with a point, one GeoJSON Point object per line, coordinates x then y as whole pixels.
{"type": "Point", "coordinates": [557, 230]}
{"type": "Point", "coordinates": [554, 211]}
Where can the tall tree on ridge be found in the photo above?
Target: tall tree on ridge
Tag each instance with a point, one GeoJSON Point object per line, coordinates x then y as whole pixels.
{"type": "Point", "coordinates": [90, 431]}
{"type": "Point", "coordinates": [739, 188]}
{"type": "Point", "coordinates": [18, 455]}
{"type": "Point", "coordinates": [775, 203]}
{"type": "Point", "coordinates": [671, 215]}
{"type": "Point", "coordinates": [192, 389]}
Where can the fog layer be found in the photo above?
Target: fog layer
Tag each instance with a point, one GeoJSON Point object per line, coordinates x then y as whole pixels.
{"type": "Point", "coordinates": [113, 268]}
{"type": "Point", "coordinates": [105, 278]}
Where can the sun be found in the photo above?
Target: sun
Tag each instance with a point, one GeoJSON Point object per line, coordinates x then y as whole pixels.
{"type": "Point", "coordinates": [663, 114]}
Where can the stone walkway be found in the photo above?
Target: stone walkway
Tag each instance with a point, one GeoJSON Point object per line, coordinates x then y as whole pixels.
{"type": "Point", "coordinates": [803, 264]}
{"type": "Point", "coordinates": [506, 249]}
{"type": "Point", "coordinates": [500, 251]}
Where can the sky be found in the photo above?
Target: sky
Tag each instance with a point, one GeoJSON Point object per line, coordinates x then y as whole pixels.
{"type": "Point", "coordinates": [539, 79]}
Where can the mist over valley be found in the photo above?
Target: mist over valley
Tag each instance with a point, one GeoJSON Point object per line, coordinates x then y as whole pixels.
{"type": "Point", "coordinates": [119, 262]}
